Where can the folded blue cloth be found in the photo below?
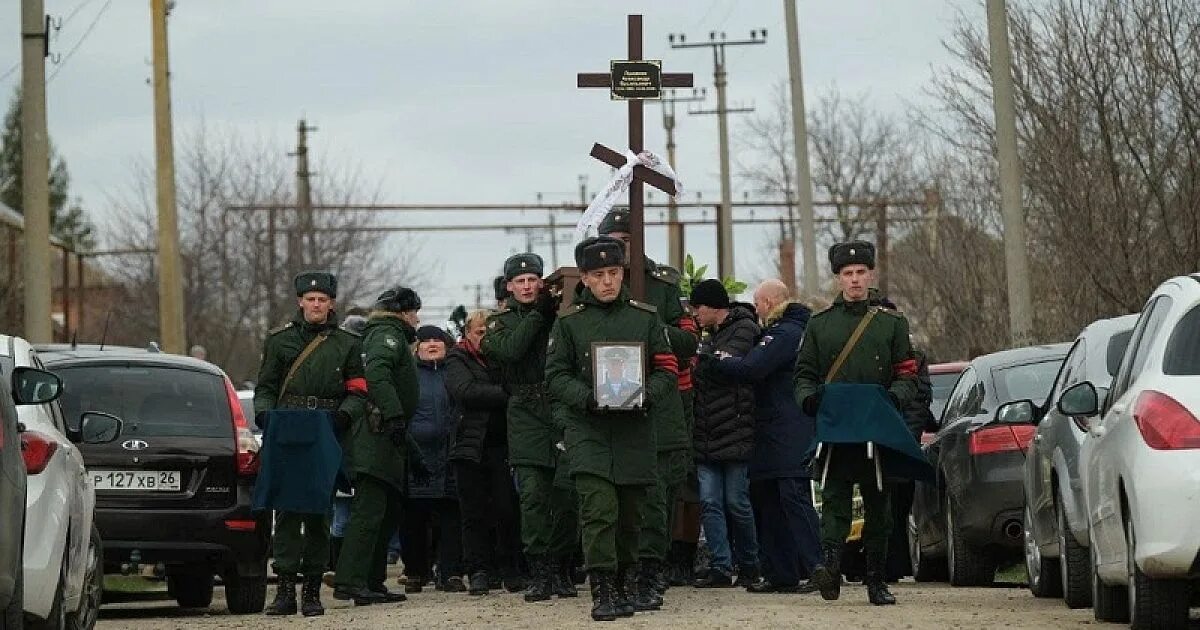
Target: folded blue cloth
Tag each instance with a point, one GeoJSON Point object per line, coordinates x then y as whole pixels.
{"type": "Point", "coordinates": [854, 413]}
{"type": "Point", "coordinates": [300, 462]}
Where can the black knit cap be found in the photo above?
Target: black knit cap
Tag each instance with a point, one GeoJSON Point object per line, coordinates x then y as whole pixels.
{"type": "Point", "coordinates": [434, 333]}
{"type": "Point", "coordinates": [523, 263]}
{"type": "Point", "coordinates": [322, 281]}
{"type": "Point", "coordinates": [710, 293]}
{"type": "Point", "coordinates": [851, 253]}
{"type": "Point", "coordinates": [615, 221]}
{"type": "Point", "coordinates": [398, 300]}
{"type": "Point", "coordinates": [599, 252]}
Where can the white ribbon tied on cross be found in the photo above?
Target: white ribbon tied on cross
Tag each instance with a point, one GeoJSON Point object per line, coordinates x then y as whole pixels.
{"type": "Point", "coordinates": [589, 223]}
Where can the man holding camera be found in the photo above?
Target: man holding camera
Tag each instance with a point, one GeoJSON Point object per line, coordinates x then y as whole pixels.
{"type": "Point", "coordinates": [516, 340]}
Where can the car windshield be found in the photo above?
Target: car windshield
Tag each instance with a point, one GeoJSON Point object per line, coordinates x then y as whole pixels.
{"type": "Point", "coordinates": [1031, 381]}
{"type": "Point", "coordinates": [942, 386]}
{"type": "Point", "coordinates": [151, 400]}
{"type": "Point", "coordinates": [1183, 349]}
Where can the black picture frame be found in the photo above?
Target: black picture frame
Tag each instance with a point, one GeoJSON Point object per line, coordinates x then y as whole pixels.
{"type": "Point", "coordinates": [619, 375]}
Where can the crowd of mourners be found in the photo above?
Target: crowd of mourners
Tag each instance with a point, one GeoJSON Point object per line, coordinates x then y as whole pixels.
{"type": "Point", "coordinates": [488, 460]}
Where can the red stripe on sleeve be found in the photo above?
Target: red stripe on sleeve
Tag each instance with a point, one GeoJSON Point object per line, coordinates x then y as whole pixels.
{"type": "Point", "coordinates": [905, 368]}
{"type": "Point", "coordinates": [356, 386]}
{"type": "Point", "coordinates": [668, 361]}
{"type": "Point", "coordinates": [688, 324]}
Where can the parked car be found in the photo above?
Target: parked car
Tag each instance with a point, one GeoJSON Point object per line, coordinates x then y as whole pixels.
{"type": "Point", "coordinates": [1140, 466]}
{"type": "Point", "coordinates": [246, 398]}
{"type": "Point", "coordinates": [1056, 555]}
{"type": "Point", "coordinates": [967, 522]}
{"type": "Point", "coordinates": [175, 493]}
{"type": "Point", "coordinates": [62, 549]}
{"type": "Point", "coordinates": [943, 376]}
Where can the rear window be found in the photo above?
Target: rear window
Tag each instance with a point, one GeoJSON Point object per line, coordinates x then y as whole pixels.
{"type": "Point", "coordinates": [1183, 349]}
{"type": "Point", "coordinates": [1031, 381]}
{"type": "Point", "coordinates": [943, 384]}
{"type": "Point", "coordinates": [1116, 350]}
{"type": "Point", "coordinates": [152, 401]}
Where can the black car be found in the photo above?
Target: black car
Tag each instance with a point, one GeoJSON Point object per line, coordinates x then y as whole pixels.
{"type": "Point", "coordinates": [22, 386]}
{"type": "Point", "coordinates": [967, 523]}
{"type": "Point", "coordinates": [174, 491]}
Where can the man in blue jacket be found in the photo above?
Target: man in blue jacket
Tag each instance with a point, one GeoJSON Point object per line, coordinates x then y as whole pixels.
{"type": "Point", "coordinates": [780, 488]}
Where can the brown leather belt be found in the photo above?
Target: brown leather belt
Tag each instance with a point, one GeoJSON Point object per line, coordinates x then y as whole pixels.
{"type": "Point", "coordinates": [310, 402]}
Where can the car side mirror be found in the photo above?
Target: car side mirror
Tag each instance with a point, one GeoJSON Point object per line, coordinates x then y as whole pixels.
{"type": "Point", "coordinates": [31, 386]}
{"type": "Point", "coordinates": [1079, 400]}
{"type": "Point", "coordinates": [99, 428]}
{"type": "Point", "coordinates": [1016, 412]}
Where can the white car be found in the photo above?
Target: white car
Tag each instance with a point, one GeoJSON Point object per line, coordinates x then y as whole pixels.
{"type": "Point", "coordinates": [1140, 466]}
{"type": "Point", "coordinates": [63, 572]}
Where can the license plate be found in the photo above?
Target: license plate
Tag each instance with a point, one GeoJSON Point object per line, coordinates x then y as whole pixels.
{"type": "Point", "coordinates": [137, 480]}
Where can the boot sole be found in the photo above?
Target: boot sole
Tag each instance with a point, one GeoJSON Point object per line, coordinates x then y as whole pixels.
{"type": "Point", "coordinates": [604, 617]}
{"type": "Point", "coordinates": [314, 614]}
{"type": "Point", "coordinates": [827, 584]}
{"type": "Point", "coordinates": [537, 598]}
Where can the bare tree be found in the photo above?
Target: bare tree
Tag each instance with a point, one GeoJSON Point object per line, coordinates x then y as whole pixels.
{"type": "Point", "coordinates": [237, 282]}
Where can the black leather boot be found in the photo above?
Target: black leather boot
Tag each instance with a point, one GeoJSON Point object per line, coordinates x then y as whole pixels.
{"type": "Point", "coordinates": [603, 596]}
{"type": "Point", "coordinates": [647, 598]}
{"type": "Point", "coordinates": [624, 589]}
{"type": "Point", "coordinates": [479, 583]}
{"type": "Point", "coordinates": [682, 560]}
{"type": "Point", "coordinates": [828, 575]}
{"type": "Point", "coordinates": [562, 580]}
{"type": "Point", "coordinates": [285, 597]}
{"type": "Point", "coordinates": [751, 579]}
{"type": "Point", "coordinates": [540, 586]}
{"type": "Point", "coordinates": [389, 597]}
{"type": "Point", "coordinates": [876, 582]}
{"type": "Point", "coordinates": [310, 597]}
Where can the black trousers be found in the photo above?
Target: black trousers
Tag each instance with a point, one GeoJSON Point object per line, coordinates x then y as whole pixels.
{"type": "Point", "coordinates": [898, 563]}
{"type": "Point", "coordinates": [789, 533]}
{"type": "Point", "coordinates": [429, 526]}
{"type": "Point", "coordinates": [491, 528]}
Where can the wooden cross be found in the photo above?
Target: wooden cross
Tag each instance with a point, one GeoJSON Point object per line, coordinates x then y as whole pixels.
{"type": "Point", "coordinates": [615, 159]}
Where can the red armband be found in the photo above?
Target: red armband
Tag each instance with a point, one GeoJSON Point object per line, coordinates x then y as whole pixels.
{"type": "Point", "coordinates": [667, 361]}
{"type": "Point", "coordinates": [356, 386]}
{"type": "Point", "coordinates": [905, 368]}
{"type": "Point", "coordinates": [688, 324]}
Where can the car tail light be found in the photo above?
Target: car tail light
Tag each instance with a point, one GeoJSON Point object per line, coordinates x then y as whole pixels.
{"type": "Point", "coordinates": [240, 525]}
{"type": "Point", "coordinates": [36, 450]}
{"type": "Point", "coordinates": [1165, 424]}
{"type": "Point", "coordinates": [1001, 439]}
{"type": "Point", "coordinates": [244, 443]}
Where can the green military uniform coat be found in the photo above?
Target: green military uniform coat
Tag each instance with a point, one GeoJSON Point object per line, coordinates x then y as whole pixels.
{"type": "Point", "coordinates": [516, 341]}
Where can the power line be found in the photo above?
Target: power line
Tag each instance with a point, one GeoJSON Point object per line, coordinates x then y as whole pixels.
{"type": "Point", "coordinates": [75, 11]}
{"type": "Point", "coordinates": [91, 27]}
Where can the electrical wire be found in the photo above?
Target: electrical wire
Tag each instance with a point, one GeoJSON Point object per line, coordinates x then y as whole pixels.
{"type": "Point", "coordinates": [91, 27]}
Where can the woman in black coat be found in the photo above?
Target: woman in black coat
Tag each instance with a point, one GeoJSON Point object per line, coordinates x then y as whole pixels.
{"type": "Point", "coordinates": [490, 528]}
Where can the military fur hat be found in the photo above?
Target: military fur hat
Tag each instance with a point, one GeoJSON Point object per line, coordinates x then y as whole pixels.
{"type": "Point", "coordinates": [599, 252]}
{"type": "Point", "coordinates": [615, 221]}
{"type": "Point", "coordinates": [617, 354]}
{"type": "Point", "coordinates": [851, 253]}
{"type": "Point", "coordinates": [322, 281]}
{"type": "Point", "coordinates": [518, 264]}
{"type": "Point", "coordinates": [500, 286]}
{"type": "Point", "coordinates": [355, 324]}
{"type": "Point", "coordinates": [398, 300]}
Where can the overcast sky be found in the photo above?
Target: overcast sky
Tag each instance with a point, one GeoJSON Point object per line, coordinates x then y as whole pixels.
{"type": "Point", "coordinates": [457, 101]}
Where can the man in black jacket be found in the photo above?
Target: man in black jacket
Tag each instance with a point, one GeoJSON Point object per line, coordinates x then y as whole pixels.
{"type": "Point", "coordinates": [724, 437]}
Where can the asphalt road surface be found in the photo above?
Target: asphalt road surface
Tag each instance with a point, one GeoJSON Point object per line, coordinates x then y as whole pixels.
{"type": "Point", "coordinates": [921, 606]}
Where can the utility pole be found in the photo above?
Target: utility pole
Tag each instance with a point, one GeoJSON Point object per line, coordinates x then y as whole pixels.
{"type": "Point", "coordinates": [675, 234]}
{"type": "Point", "coordinates": [725, 215]}
{"type": "Point", "coordinates": [170, 277]}
{"type": "Point", "coordinates": [303, 195]}
{"type": "Point", "coordinates": [1020, 300]}
{"type": "Point", "coordinates": [804, 198]}
{"type": "Point", "coordinates": [35, 171]}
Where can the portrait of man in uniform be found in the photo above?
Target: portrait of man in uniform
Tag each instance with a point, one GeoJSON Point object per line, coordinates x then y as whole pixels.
{"type": "Point", "coordinates": [619, 376]}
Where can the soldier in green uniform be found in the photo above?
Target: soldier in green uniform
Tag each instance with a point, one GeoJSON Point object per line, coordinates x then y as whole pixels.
{"type": "Point", "coordinates": [308, 363]}
{"type": "Point", "coordinates": [671, 416]}
{"type": "Point", "coordinates": [377, 451]}
{"type": "Point", "coordinates": [516, 341]}
{"type": "Point", "coordinates": [881, 355]}
{"type": "Point", "coordinates": [612, 452]}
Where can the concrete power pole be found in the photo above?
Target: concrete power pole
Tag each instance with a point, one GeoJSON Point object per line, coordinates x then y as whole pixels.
{"type": "Point", "coordinates": [1020, 301]}
{"type": "Point", "coordinates": [35, 172]}
{"type": "Point", "coordinates": [720, 81]}
{"type": "Point", "coordinates": [170, 275]}
{"type": "Point", "coordinates": [808, 232]}
{"type": "Point", "coordinates": [675, 233]}
{"type": "Point", "coordinates": [304, 195]}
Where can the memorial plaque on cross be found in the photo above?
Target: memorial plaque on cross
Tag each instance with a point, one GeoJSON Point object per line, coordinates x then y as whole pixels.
{"type": "Point", "coordinates": [633, 80]}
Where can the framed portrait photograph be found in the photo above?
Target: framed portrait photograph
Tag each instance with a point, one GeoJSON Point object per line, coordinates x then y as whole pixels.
{"type": "Point", "coordinates": [619, 375]}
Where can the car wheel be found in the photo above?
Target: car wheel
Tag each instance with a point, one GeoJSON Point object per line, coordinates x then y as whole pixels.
{"type": "Point", "coordinates": [1074, 565]}
{"type": "Point", "coordinates": [925, 569]}
{"type": "Point", "coordinates": [966, 564]}
{"type": "Point", "coordinates": [1043, 572]}
{"type": "Point", "coordinates": [1109, 603]}
{"type": "Point", "coordinates": [84, 618]}
{"type": "Point", "coordinates": [245, 595]}
{"type": "Point", "coordinates": [191, 590]}
{"type": "Point", "coordinates": [1153, 603]}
